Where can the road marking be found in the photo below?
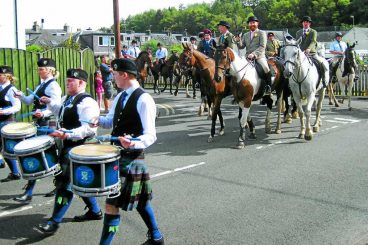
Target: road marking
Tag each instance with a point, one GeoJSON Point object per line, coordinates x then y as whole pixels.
{"type": "Point", "coordinates": [24, 208]}
{"type": "Point", "coordinates": [335, 121]}
{"type": "Point", "coordinates": [168, 109]}
{"type": "Point", "coordinates": [198, 134]}
{"type": "Point", "coordinates": [346, 119]}
{"type": "Point", "coordinates": [177, 170]}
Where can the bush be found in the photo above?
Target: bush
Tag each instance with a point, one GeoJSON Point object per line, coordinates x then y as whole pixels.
{"type": "Point", "coordinates": [35, 48]}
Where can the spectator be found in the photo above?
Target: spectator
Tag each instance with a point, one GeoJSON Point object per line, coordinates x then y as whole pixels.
{"type": "Point", "coordinates": [98, 87]}
{"type": "Point", "coordinates": [106, 73]}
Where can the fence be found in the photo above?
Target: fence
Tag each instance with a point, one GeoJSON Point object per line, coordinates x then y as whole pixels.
{"type": "Point", "coordinates": [24, 64]}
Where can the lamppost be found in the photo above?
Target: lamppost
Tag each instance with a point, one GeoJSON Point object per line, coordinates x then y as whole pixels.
{"type": "Point", "coordinates": [352, 16]}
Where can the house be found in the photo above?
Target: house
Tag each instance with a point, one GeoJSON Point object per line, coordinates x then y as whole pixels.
{"type": "Point", "coordinates": [47, 37]}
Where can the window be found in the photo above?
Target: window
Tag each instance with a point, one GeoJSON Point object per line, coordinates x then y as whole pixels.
{"type": "Point", "coordinates": [128, 38]}
{"type": "Point", "coordinates": [146, 39]}
{"type": "Point", "coordinates": [106, 41]}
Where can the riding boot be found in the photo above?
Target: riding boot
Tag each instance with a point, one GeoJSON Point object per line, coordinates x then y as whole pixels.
{"type": "Point", "coordinates": [323, 75]}
{"type": "Point", "coordinates": [268, 87]}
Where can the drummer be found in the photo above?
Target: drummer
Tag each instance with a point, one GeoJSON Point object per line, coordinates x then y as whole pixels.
{"type": "Point", "coordinates": [41, 115]}
{"type": "Point", "coordinates": [76, 106]}
{"type": "Point", "coordinates": [132, 115]}
{"type": "Point", "coordinates": [9, 105]}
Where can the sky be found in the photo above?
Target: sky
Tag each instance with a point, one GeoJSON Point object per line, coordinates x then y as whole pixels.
{"type": "Point", "coordinates": [87, 13]}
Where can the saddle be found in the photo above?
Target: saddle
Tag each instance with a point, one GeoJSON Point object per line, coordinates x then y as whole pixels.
{"type": "Point", "coordinates": [263, 77]}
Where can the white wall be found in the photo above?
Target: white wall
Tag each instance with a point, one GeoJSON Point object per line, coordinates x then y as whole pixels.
{"type": "Point", "coordinates": [8, 28]}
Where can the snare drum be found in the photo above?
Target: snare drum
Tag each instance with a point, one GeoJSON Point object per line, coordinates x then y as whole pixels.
{"type": "Point", "coordinates": [37, 157]}
{"type": "Point", "coordinates": [94, 170]}
{"type": "Point", "coordinates": [12, 134]}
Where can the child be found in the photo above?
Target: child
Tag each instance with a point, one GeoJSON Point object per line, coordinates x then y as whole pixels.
{"type": "Point", "coordinates": [98, 87]}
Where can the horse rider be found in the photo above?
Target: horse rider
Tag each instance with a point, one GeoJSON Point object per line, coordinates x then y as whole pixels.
{"type": "Point", "coordinates": [200, 36]}
{"type": "Point", "coordinates": [161, 56]}
{"type": "Point", "coordinates": [273, 46]}
{"type": "Point", "coordinates": [255, 43]}
{"type": "Point", "coordinates": [308, 44]}
{"type": "Point", "coordinates": [134, 50]}
{"type": "Point", "coordinates": [124, 51]}
{"type": "Point", "coordinates": [226, 38]}
{"type": "Point", "coordinates": [207, 45]}
{"type": "Point", "coordinates": [193, 41]}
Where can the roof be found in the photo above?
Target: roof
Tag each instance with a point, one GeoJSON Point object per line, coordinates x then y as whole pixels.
{"type": "Point", "coordinates": [358, 34]}
{"type": "Point", "coordinates": [47, 37]}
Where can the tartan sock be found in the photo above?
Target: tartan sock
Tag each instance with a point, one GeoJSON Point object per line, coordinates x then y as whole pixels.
{"type": "Point", "coordinates": [92, 204]}
{"type": "Point", "coordinates": [149, 219]}
{"type": "Point", "coordinates": [63, 199]}
{"type": "Point", "coordinates": [30, 186]}
{"type": "Point", "coordinates": [110, 227]}
{"type": "Point", "coordinates": [12, 163]}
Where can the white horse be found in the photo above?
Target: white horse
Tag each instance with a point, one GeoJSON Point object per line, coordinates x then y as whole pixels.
{"type": "Point", "coordinates": [304, 83]}
{"type": "Point", "coordinates": [346, 83]}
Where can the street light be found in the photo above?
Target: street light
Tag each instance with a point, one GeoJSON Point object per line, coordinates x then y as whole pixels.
{"type": "Point", "coordinates": [352, 16]}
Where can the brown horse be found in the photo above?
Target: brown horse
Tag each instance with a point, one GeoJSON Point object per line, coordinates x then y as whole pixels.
{"type": "Point", "coordinates": [247, 87]}
{"type": "Point", "coordinates": [214, 90]}
{"type": "Point", "coordinates": [167, 72]}
{"type": "Point", "coordinates": [143, 62]}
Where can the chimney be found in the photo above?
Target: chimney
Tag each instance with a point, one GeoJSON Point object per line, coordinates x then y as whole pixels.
{"type": "Point", "coordinates": [66, 28]}
{"type": "Point", "coordinates": [35, 27]}
{"type": "Point", "coordinates": [42, 22]}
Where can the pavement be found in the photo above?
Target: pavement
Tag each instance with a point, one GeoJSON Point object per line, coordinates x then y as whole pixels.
{"type": "Point", "coordinates": [277, 190]}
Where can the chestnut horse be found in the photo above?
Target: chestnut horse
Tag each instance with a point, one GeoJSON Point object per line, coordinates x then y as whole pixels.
{"type": "Point", "coordinates": [248, 87]}
{"type": "Point", "coordinates": [143, 62]}
{"type": "Point", "coordinates": [216, 90]}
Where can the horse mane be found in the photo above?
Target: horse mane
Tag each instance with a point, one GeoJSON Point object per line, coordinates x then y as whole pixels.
{"type": "Point", "coordinates": [143, 53]}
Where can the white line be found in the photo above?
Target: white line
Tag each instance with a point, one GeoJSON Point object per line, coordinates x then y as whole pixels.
{"type": "Point", "coordinates": [259, 147]}
{"type": "Point", "coordinates": [170, 108]}
{"type": "Point", "coordinates": [177, 170]}
{"type": "Point", "coordinates": [346, 119]}
{"type": "Point", "coordinates": [5, 213]}
{"type": "Point", "coordinates": [198, 134]}
{"type": "Point", "coordinates": [334, 127]}
{"type": "Point", "coordinates": [334, 121]}
{"type": "Point", "coordinates": [163, 107]}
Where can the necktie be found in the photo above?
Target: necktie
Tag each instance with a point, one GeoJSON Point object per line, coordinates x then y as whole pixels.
{"type": "Point", "coordinates": [222, 38]}
{"type": "Point", "coordinates": [340, 47]}
{"type": "Point", "coordinates": [123, 97]}
{"type": "Point", "coordinates": [68, 101]}
{"type": "Point", "coordinates": [304, 33]}
{"type": "Point", "coordinates": [1, 88]}
{"type": "Point", "coordinates": [135, 53]}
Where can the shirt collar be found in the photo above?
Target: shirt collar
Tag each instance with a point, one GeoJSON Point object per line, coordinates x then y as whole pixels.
{"type": "Point", "coordinates": [47, 79]}
{"type": "Point", "coordinates": [134, 86]}
{"type": "Point", "coordinates": [5, 84]}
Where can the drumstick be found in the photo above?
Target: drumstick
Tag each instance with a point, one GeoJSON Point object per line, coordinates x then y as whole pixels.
{"type": "Point", "coordinates": [114, 138]}
{"type": "Point", "coordinates": [85, 121]}
{"type": "Point", "coordinates": [5, 108]}
{"type": "Point", "coordinates": [27, 114]}
{"type": "Point", "coordinates": [34, 94]}
{"type": "Point", "coordinates": [49, 130]}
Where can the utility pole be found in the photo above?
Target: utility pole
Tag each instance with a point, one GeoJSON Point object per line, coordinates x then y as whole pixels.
{"type": "Point", "coordinates": [117, 29]}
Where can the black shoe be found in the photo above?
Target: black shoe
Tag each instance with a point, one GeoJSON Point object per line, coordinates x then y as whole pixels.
{"type": "Point", "coordinates": [88, 216]}
{"type": "Point", "coordinates": [50, 228]}
{"type": "Point", "coordinates": [24, 199]}
{"type": "Point", "coordinates": [151, 241]}
{"type": "Point", "coordinates": [51, 193]}
{"type": "Point", "coordinates": [11, 177]}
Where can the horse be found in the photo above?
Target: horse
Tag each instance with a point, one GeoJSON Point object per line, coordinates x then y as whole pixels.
{"type": "Point", "coordinates": [143, 62]}
{"type": "Point", "coordinates": [348, 61]}
{"type": "Point", "coordinates": [167, 71]}
{"type": "Point", "coordinates": [215, 90]}
{"type": "Point", "coordinates": [305, 82]}
{"type": "Point", "coordinates": [247, 87]}
{"type": "Point", "coordinates": [188, 75]}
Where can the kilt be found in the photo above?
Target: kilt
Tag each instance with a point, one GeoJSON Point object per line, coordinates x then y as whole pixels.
{"type": "Point", "coordinates": [136, 188]}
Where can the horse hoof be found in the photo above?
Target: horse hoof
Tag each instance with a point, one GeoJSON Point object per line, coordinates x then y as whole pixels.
{"type": "Point", "coordinates": [210, 139]}
{"type": "Point", "coordinates": [240, 145]}
{"type": "Point", "coordinates": [221, 132]}
{"type": "Point", "coordinates": [301, 136]}
{"type": "Point", "coordinates": [278, 131]}
{"type": "Point", "coordinates": [268, 130]}
{"type": "Point", "coordinates": [194, 97]}
{"type": "Point", "coordinates": [188, 96]}
{"type": "Point", "coordinates": [171, 93]}
{"type": "Point", "coordinates": [350, 108]}
{"type": "Point", "coordinates": [289, 121]}
{"type": "Point", "coordinates": [308, 137]}
{"type": "Point", "coordinates": [330, 103]}
{"type": "Point", "coordinates": [252, 136]}
{"type": "Point", "coordinates": [337, 105]}
{"type": "Point", "coordinates": [176, 93]}
{"type": "Point", "coordinates": [205, 109]}
{"type": "Point", "coordinates": [295, 115]}
{"type": "Point", "coordinates": [315, 129]}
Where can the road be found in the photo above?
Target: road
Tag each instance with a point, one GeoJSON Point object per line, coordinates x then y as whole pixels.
{"type": "Point", "coordinates": [277, 190]}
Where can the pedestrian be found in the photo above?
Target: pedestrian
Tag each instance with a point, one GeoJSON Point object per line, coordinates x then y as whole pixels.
{"type": "Point", "coordinates": [9, 105]}
{"type": "Point", "coordinates": [106, 72]}
{"type": "Point", "coordinates": [132, 115]}
{"type": "Point", "coordinates": [74, 108]}
{"type": "Point", "coordinates": [98, 87]}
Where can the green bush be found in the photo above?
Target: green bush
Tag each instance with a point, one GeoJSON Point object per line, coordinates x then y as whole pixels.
{"type": "Point", "coordinates": [35, 48]}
